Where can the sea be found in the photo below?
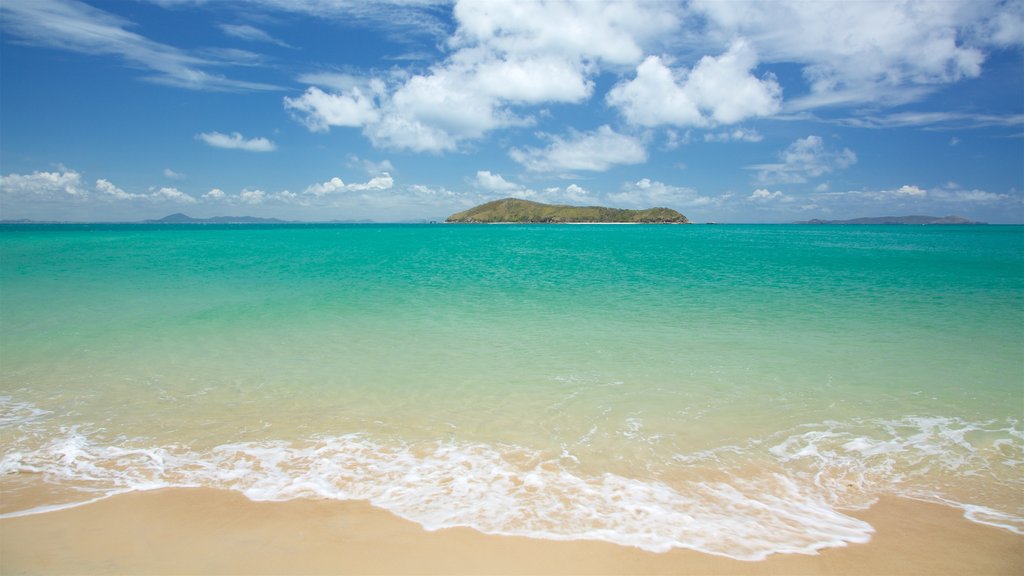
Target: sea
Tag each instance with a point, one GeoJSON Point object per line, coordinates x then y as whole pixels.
{"type": "Point", "coordinates": [738, 390]}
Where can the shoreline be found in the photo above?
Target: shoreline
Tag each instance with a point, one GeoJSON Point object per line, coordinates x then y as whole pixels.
{"type": "Point", "coordinates": [208, 531]}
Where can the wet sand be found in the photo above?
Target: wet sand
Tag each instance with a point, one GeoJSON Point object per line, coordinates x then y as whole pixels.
{"type": "Point", "coordinates": [203, 531]}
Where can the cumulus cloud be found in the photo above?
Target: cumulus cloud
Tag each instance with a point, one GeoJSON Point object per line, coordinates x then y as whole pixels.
{"type": "Point", "coordinates": [718, 90]}
{"type": "Point", "coordinates": [647, 193]}
{"type": "Point", "coordinates": [912, 191]}
{"type": "Point", "coordinates": [215, 194]}
{"type": "Point", "coordinates": [173, 195]}
{"type": "Point", "coordinates": [236, 141]}
{"type": "Point", "coordinates": [612, 32]}
{"type": "Point", "coordinates": [398, 132]}
{"type": "Point", "coordinates": [250, 196]}
{"type": "Point", "coordinates": [765, 195]}
{"type": "Point", "coordinates": [504, 56]}
{"type": "Point", "coordinates": [64, 183]}
{"type": "Point", "coordinates": [493, 182]}
{"type": "Point", "coordinates": [595, 151]}
{"type": "Point", "coordinates": [107, 187]}
{"type": "Point", "coordinates": [320, 111]}
{"type": "Point", "coordinates": [804, 159]}
{"type": "Point", "coordinates": [858, 52]}
{"type": "Point", "coordinates": [382, 182]}
{"type": "Point", "coordinates": [576, 193]}
{"type": "Point", "coordinates": [168, 173]}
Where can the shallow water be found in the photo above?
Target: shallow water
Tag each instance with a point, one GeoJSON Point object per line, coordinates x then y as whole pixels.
{"type": "Point", "coordinates": [730, 389]}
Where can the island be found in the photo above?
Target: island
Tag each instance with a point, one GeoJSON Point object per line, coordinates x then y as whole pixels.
{"type": "Point", "coordinates": [180, 218]}
{"type": "Point", "coordinates": [919, 220]}
{"type": "Point", "coordinates": [519, 211]}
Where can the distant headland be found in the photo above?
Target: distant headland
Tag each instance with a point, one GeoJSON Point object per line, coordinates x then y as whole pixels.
{"type": "Point", "coordinates": [914, 220]}
{"type": "Point", "coordinates": [515, 210]}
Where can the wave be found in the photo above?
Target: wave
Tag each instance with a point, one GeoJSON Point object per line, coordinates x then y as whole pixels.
{"type": "Point", "coordinates": [789, 493]}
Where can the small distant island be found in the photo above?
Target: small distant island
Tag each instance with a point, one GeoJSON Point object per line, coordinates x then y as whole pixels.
{"type": "Point", "coordinates": [516, 210]}
{"type": "Point", "coordinates": [913, 220]}
{"type": "Point", "coordinates": [180, 218]}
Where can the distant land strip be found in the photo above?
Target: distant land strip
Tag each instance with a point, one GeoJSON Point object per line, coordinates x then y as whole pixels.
{"type": "Point", "coordinates": [897, 220]}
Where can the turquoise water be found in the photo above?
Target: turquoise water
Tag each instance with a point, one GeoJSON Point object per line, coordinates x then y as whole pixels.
{"type": "Point", "coordinates": [731, 389]}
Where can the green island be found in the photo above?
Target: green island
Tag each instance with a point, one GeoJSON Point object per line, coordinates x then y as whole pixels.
{"type": "Point", "coordinates": [516, 210]}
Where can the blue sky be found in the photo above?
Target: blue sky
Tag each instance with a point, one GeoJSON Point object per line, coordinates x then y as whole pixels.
{"type": "Point", "coordinates": [335, 109]}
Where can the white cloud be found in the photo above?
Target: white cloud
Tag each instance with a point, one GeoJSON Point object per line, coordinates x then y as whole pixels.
{"type": "Point", "coordinates": [249, 196]}
{"type": "Point", "coordinates": [804, 159]}
{"type": "Point", "coordinates": [673, 139]}
{"type": "Point", "coordinates": [236, 141]}
{"type": "Point", "coordinates": [44, 184]}
{"type": "Point", "coordinates": [494, 182]}
{"type": "Point", "coordinates": [718, 90]}
{"type": "Point", "coordinates": [370, 166]}
{"type": "Point", "coordinates": [911, 191]}
{"type": "Point", "coordinates": [321, 110]}
{"type": "Point", "coordinates": [858, 52]}
{"type": "Point", "coordinates": [173, 194]}
{"type": "Point", "coordinates": [587, 30]}
{"type": "Point", "coordinates": [445, 100]}
{"type": "Point", "coordinates": [78, 27]}
{"type": "Point", "coordinates": [168, 173]}
{"type": "Point", "coordinates": [903, 119]}
{"type": "Point", "coordinates": [381, 182]}
{"type": "Point", "coordinates": [595, 151]}
{"type": "Point", "coordinates": [399, 19]}
{"type": "Point", "coordinates": [737, 135]}
{"type": "Point", "coordinates": [504, 56]}
{"type": "Point", "coordinates": [577, 193]}
{"type": "Point", "coordinates": [333, 185]}
{"type": "Point", "coordinates": [529, 80]}
{"type": "Point", "coordinates": [401, 133]}
{"type": "Point", "coordinates": [764, 195]}
{"type": "Point", "coordinates": [251, 33]}
{"type": "Point", "coordinates": [908, 194]}
{"type": "Point", "coordinates": [252, 197]}
{"type": "Point", "coordinates": [647, 193]}
{"type": "Point", "coordinates": [973, 196]}
{"type": "Point", "coordinates": [1006, 26]}
{"type": "Point", "coordinates": [107, 187]}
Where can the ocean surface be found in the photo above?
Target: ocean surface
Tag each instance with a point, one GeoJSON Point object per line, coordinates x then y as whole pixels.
{"type": "Point", "coordinates": [736, 390]}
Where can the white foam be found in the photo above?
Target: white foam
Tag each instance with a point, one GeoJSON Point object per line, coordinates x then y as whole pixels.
{"type": "Point", "coordinates": [794, 506]}
{"type": "Point", "coordinates": [14, 414]}
{"type": "Point", "coordinates": [920, 457]}
{"type": "Point", "coordinates": [499, 490]}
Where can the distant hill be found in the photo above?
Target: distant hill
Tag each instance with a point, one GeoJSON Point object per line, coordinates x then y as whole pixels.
{"type": "Point", "coordinates": [898, 220]}
{"type": "Point", "coordinates": [180, 218]}
{"type": "Point", "coordinates": [525, 211]}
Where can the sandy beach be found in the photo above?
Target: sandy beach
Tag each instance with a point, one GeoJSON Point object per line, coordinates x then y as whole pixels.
{"type": "Point", "coordinates": [203, 531]}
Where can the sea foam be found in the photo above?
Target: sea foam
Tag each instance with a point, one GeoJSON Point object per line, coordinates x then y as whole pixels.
{"type": "Point", "coordinates": [789, 493]}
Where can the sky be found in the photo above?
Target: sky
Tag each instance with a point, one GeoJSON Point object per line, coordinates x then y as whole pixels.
{"type": "Point", "coordinates": [317, 110]}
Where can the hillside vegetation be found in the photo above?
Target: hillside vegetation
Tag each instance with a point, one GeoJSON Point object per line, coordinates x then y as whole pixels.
{"type": "Point", "coordinates": [525, 211]}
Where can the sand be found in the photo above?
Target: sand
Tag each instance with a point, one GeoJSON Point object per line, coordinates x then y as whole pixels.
{"type": "Point", "coordinates": [204, 531]}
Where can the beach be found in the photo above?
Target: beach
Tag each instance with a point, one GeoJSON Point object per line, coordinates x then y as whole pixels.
{"type": "Point", "coordinates": [532, 399]}
{"type": "Point", "coordinates": [202, 531]}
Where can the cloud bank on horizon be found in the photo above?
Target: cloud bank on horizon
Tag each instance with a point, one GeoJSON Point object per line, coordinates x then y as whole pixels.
{"type": "Point", "coordinates": [324, 109]}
